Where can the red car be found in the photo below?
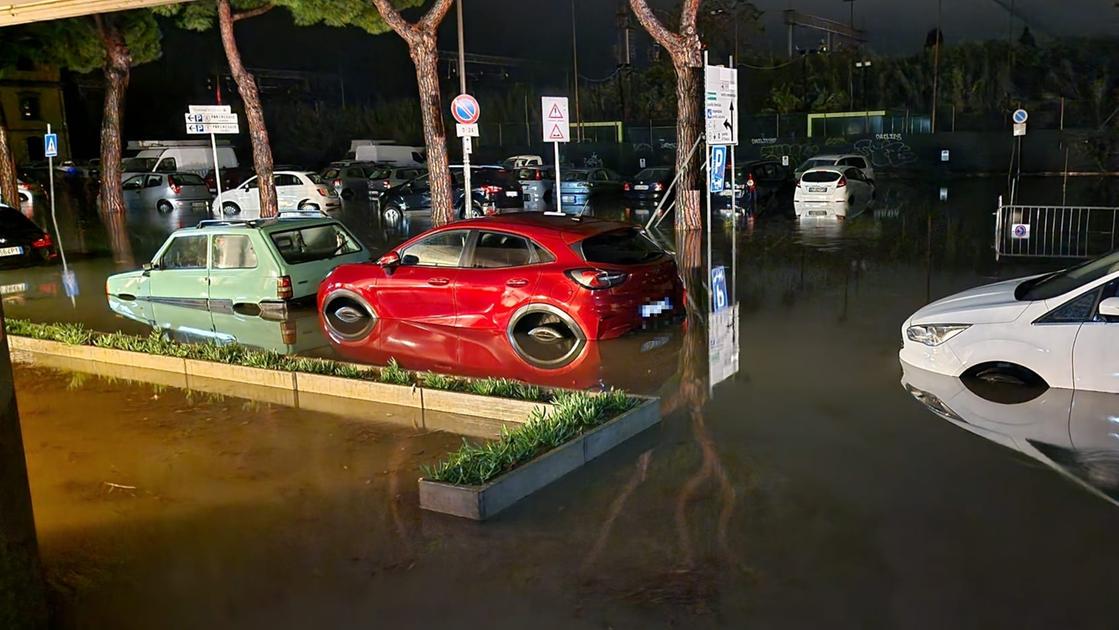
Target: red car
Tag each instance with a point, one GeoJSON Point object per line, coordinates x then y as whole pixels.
{"type": "Point", "coordinates": [550, 277]}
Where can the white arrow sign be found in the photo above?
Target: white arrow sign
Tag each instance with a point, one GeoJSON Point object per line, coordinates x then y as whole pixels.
{"type": "Point", "coordinates": [209, 109]}
{"type": "Point", "coordinates": [719, 103]}
{"type": "Point", "coordinates": [205, 128]}
{"type": "Point", "coordinates": [212, 118]}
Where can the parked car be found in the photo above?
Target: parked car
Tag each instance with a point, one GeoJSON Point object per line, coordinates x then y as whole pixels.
{"type": "Point", "coordinates": [349, 179]}
{"type": "Point", "coordinates": [649, 185]}
{"type": "Point", "coordinates": [230, 177]}
{"type": "Point", "coordinates": [266, 263]}
{"type": "Point", "coordinates": [493, 189]}
{"type": "Point", "coordinates": [166, 192]}
{"type": "Point", "coordinates": [301, 190]}
{"type": "Point", "coordinates": [1060, 329]}
{"type": "Point", "coordinates": [28, 191]}
{"type": "Point", "coordinates": [537, 185]}
{"type": "Point", "coordinates": [829, 191]}
{"type": "Point", "coordinates": [761, 180]}
{"type": "Point", "coordinates": [553, 278]}
{"type": "Point", "coordinates": [387, 176]}
{"type": "Point", "coordinates": [386, 153]}
{"type": "Point", "coordinates": [22, 242]}
{"type": "Point", "coordinates": [841, 161]}
{"type": "Point", "coordinates": [514, 162]}
{"type": "Point", "coordinates": [577, 185]}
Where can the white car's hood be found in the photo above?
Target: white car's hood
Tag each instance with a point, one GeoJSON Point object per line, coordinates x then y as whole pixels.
{"type": "Point", "coordinates": [990, 304]}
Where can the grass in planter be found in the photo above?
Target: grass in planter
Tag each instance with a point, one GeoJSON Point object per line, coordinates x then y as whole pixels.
{"type": "Point", "coordinates": [393, 374]}
{"type": "Point", "coordinates": [506, 388]}
{"type": "Point", "coordinates": [573, 414]}
{"type": "Point", "coordinates": [434, 380]}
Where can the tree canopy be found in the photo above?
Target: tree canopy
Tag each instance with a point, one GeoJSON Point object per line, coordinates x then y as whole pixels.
{"type": "Point", "coordinates": [76, 44]}
{"type": "Point", "coordinates": [200, 16]}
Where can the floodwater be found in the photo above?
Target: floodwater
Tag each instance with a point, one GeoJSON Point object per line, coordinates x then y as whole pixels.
{"type": "Point", "coordinates": [807, 489]}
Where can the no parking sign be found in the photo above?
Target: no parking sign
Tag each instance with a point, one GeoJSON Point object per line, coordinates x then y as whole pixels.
{"type": "Point", "coordinates": [1020, 230]}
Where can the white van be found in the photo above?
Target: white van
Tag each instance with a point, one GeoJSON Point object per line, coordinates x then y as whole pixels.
{"type": "Point", "coordinates": [385, 153]}
{"type": "Point", "coordinates": [176, 156]}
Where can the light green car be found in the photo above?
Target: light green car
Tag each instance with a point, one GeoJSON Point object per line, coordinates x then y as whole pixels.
{"type": "Point", "coordinates": [264, 263]}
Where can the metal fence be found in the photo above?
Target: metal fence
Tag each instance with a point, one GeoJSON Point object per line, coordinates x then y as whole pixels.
{"type": "Point", "coordinates": [1023, 231]}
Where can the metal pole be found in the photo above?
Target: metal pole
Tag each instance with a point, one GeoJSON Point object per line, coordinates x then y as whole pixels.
{"type": "Point", "coordinates": [54, 219]}
{"type": "Point", "coordinates": [467, 190]}
{"type": "Point", "coordinates": [1062, 124]}
{"type": "Point", "coordinates": [575, 64]}
{"type": "Point", "coordinates": [936, 66]}
{"type": "Point", "coordinates": [217, 167]}
{"type": "Point", "coordinates": [710, 226]}
{"type": "Point", "coordinates": [559, 205]}
{"type": "Point", "coordinates": [1064, 183]}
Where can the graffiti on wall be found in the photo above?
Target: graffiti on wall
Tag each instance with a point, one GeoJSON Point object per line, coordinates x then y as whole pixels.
{"type": "Point", "coordinates": [885, 153]}
{"type": "Point", "coordinates": [797, 152]}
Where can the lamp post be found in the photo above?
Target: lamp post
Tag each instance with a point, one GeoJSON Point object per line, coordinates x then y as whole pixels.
{"type": "Point", "coordinates": [864, 67]}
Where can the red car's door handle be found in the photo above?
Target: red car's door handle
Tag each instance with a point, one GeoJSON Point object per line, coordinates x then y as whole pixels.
{"type": "Point", "coordinates": [439, 282]}
{"type": "Point", "coordinates": [516, 282]}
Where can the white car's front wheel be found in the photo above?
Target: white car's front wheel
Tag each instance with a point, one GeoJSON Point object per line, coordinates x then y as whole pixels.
{"type": "Point", "coordinates": [229, 209]}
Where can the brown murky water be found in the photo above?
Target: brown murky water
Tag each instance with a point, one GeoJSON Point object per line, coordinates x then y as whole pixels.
{"type": "Point", "coordinates": [808, 490]}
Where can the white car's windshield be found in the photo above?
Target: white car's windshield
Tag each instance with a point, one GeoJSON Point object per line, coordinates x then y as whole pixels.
{"type": "Point", "coordinates": [1061, 282]}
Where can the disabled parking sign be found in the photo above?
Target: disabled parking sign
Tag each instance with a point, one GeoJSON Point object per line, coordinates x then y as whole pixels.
{"type": "Point", "coordinates": [719, 297]}
{"type": "Point", "coordinates": [717, 167]}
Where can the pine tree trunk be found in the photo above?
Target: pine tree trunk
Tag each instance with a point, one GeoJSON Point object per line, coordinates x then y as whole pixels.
{"type": "Point", "coordinates": [688, 207]}
{"type": "Point", "coordinates": [9, 190]}
{"type": "Point", "coordinates": [425, 58]}
{"type": "Point", "coordinates": [254, 113]}
{"type": "Point", "coordinates": [118, 65]}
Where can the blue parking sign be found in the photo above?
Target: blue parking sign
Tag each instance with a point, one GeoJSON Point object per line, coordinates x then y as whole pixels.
{"type": "Point", "coordinates": [719, 296]}
{"type": "Point", "coordinates": [718, 167]}
{"type": "Point", "coordinates": [50, 145]}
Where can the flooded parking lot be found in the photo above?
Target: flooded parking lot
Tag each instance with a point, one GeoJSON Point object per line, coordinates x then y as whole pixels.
{"type": "Point", "coordinates": [808, 489]}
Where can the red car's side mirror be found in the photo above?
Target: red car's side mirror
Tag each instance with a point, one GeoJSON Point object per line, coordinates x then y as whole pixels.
{"type": "Point", "coordinates": [390, 259]}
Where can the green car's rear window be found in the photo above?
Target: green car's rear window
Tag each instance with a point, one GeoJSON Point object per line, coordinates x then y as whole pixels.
{"type": "Point", "coordinates": [315, 242]}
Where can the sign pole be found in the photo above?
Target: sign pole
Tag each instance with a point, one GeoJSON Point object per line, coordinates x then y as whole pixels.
{"type": "Point", "coordinates": [54, 219]}
{"type": "Point", "coordinates": [710, 228]}
{"type": "Point", "coordinates": [559, 207]}
{"type": "Point", "coordinates": [217, 169]}
{"type": "Point", "coordinates": [734, 203]}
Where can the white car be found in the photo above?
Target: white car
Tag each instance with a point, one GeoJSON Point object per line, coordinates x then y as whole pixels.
{"type": "Point", "coordinates": [295, 190]}
{"type": "Point", "coordinates": [1069, 431]}
{"type": "Point", "coordinates": [831, 191]}
{"type": "Point", "coordinates": [1060, 329]}
{"type": "Point", "coordinates": [840, 161]}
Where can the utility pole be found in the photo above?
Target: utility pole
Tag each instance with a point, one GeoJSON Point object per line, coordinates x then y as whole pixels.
{"type": "Point", "coordinates": [575, 64]}
{"type": "Point", "coordinates": [467, 191]}
{"type": "Point", "coordinates": [936, 66]}
{"type": "Point", "coordinates": [851, 4]}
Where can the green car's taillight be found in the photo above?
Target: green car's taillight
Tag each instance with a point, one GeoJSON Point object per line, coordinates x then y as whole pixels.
{"type": "Point", "coordinates": [284, 290]}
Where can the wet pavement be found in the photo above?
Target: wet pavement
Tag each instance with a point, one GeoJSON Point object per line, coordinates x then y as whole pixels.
{"type": "Point", "coordinates": [809, 489]}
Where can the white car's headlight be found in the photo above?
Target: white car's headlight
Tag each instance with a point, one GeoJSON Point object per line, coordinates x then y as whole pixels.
{"type": "Point", "coordinates": [934, 334]}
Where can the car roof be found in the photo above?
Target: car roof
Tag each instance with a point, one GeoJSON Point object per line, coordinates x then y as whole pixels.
{"type": "Point", "coordinates": [828, 169]}
{"type": "Point", "coordinates": [834, 156]}
{"type": "Point", "coordinates": [570, 228]}
{"type": "Point", "coordinates": [272, 224]}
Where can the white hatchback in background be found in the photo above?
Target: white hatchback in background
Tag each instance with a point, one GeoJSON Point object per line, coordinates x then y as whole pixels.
{"type": "Point", "coordinates": [830, 191]}
{"type": "Point", "coordinates": [1061, 328]}
{"type": "Point", "coordinates": [840, 161]}
{"type": "Point", "coordinates": [295, 190]}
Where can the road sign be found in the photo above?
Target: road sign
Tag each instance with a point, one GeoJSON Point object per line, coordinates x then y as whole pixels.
{"type": "Point", "coordinates": [1020, 116]}
{"type": "Point", "coordinates": [718, 167]}
{"type": "Point", "coordinates": [465, 109]}
{"type": "Point", "coordinates": [209, 109]}
{"type": "Point", "coordinates": [1019, 129]}
{"type": "Point", "coordinates": [555, 119]}
{"type": "Point", "coordinates": [1020, 231]}
{"type": "Point", "coordinates": [719, 299]}
{"type": "Point", "coordinates": [211, 118]}
{"type": "Point", "coordinates": [719, 104]}
{"type": "Point", "coordinates": [722, 344]}
{"type": "Point", "coordinates": [207, 128]}
{"type": "Point", "coordinates": [50, 145]}
{"type": "Point", "coordinates": [466, 131]}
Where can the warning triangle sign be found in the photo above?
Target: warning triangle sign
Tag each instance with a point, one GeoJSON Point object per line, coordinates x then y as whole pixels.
{"type": "Point", "coordinates": [556, 113]}
{"type": "Point", "coordinates": [556, 133]}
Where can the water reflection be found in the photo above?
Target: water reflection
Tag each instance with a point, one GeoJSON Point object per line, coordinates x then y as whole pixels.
{"type": "Point", "coordinates": [1076, 433]}
{"type": "Point", "coordinates": [294, 332]}
{"type": "Point", "coordinates": [557, 362]}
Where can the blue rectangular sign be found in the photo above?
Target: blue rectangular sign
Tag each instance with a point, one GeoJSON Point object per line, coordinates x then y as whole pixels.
{"type": "Point", "coordinates": [719, 297]}
{"type": "Point", "coordinates": [50, 145]}
{"type": "Point", "coordinates": [718, 167]}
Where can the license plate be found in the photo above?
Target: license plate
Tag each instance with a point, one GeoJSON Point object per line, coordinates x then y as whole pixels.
{"type": "Point", "coordinates": [656, 308]}
{"type": "Point", "coordinates": [511, 193]}
{"type": "Point", "coordinates": [641, 187]}
{"type": "Point", "coordinates": [568, 198]}
{"type": "Point", "coordinates": [817, 189]}
{"type": "Point", "coordinates": [9, 289]}
{"type": "Point", "coordinates": [199, 205]}
{"type": "Point", "coordinates": [817, 213]}
{"type": "Point", "coordinates": [11, 251]}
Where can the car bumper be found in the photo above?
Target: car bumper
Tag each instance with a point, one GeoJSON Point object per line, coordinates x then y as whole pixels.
{"type": "Point", "coordinates": [640, 197]}
{"type": "Point", "coordinates": [198, 205]}
{"type": "Point", "coordinates": [938, 359]}
{"type": "Point", "coordinates": [817, 208]}
{"type": "Point", "coordinates": [606, 315]}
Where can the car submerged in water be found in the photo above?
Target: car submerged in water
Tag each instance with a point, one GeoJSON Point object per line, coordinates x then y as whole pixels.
{"type": "Point", "coordinates": [260, 264]}
{"type": "Point", "coordinates": [555, 278]}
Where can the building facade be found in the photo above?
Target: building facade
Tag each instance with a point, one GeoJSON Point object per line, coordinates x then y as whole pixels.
{"type": "Point", "coordinates": [30, 98]}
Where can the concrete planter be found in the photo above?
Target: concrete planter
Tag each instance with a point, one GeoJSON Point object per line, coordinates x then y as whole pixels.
{"type": "Point", "coordinates": [504, 409]}
{"type": "Point", "coordinates": [241, 374]}
{"type": "Point", "coordinates": [482, 502]}
{"type": "Point", "coordinates": [403, 395]}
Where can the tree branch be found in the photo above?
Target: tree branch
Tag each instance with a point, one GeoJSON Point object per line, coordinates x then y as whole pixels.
{"type": "Point", "coordinates": [688, 13]}
{"type": "Point", "coordinates": [393, 18]}
{"type": "Point", "coordinates": [434, 15]}
{"type": "Point", "coordinates": [652, 25]}
{"type": "Point", "coordinates": [251, 13]}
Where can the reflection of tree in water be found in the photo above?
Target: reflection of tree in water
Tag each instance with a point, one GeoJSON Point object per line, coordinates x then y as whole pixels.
{"type": "Point", "coordinates": [116, 228]}
{"type": "Point", "coordinates": [692, 583]}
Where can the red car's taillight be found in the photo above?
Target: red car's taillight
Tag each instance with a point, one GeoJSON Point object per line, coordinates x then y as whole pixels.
{"type": "Point", "coordinates": [658, 186]}
{"type": "Point", "coordinates": [751, 184]}
{"type": "Point", "coordinates": [284, 290]}
{"type": "Point", "coordinates": [490, 189]}
{"type": "Point", "coordinates": [626, 187]}
{"type": "Point", "coordinates": [842, 182]}
{"type": "Point", "coordinates": [596, 278]}
{"type": "Point", "coordinates": [44, 242]}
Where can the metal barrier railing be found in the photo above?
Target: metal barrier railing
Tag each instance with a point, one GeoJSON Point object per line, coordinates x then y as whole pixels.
{"type": "Point", "coordinates": [1054, 231]}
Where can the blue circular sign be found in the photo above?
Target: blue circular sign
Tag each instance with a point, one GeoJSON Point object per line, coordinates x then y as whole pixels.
{"type": "Point", "coordinates": [465, 109]}
{"type": "Point", "coordinates": [1020, 116]}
